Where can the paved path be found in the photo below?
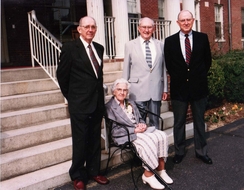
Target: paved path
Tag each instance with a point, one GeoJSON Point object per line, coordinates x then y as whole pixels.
{"type": "Point", "coordinates": [226, 148]}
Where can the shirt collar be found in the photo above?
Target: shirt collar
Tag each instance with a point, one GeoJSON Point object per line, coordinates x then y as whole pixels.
{"type": "Point", "coordinates": [85, 43]}
{"type": "Point", "coordinates": [189, 34]}
{"type": "Point", "coordinates": [142, 40]}
{"type": "Point", "coordinates": [117, 100]}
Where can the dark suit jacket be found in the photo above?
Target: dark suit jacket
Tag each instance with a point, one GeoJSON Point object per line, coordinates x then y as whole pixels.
{"type": "Point", "coordinates": [77, 80]}
{"type": "Point", "coordinates": [188, 83]}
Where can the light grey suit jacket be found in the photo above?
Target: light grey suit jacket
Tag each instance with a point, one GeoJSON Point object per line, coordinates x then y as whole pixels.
{"type": "Point", "coordinates": [145, 83]}
{"type": "Point", "coordinates": [115, 112]}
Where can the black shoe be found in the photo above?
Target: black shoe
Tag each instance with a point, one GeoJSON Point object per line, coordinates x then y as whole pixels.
{"type": "Point", "coordinates": [205, 159]}
{"type": "Point", "coordinates": [178, 158]}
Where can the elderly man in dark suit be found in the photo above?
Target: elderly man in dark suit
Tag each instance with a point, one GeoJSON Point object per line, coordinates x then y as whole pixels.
{"type": "Point", "coordinates": [188, 59]}
{"type": "Point", "coordinates": [80, 77]}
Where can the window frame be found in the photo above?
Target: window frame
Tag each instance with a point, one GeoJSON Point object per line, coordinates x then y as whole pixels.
{"type": "Point", "coordinates": [219, 22]}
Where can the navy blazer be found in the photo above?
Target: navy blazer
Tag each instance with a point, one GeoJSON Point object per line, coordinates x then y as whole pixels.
{"type": "Point", "coordinates": [77, 80]}
{"type": "Point", "coordinates": [188, 82]}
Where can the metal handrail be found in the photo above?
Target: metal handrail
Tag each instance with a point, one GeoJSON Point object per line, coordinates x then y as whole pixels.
{"type": "Point", "coordinates": [45, 48]}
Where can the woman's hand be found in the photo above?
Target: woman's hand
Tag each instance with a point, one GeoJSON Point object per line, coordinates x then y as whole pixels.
{"type": "Point", "coordinates": [140, 128]}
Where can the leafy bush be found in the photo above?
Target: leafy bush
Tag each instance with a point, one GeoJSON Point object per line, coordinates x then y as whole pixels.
{"type": "Point", "coordinates": [216, 84]}
{"type": "Point", "coordinates": [233, 67]}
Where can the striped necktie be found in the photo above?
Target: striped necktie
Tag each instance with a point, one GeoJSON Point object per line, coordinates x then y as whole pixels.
{"type": "Point", "coordinates": [93, 58]}
{"type": "Point", "coordinates": [188, 49]}
{"type": "Point", "coordinates": [148, 54]}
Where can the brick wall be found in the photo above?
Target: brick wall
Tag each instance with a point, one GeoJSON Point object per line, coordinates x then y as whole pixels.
{"type": "Point", "coordinates": [236, 23]}
{"type": "Point", "coordinates": [149, 8]}
{"type": "Point", "coordinates": [208, 25]}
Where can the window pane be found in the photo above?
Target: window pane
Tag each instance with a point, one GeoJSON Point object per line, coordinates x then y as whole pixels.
{"type": "Point", "coordinates": [160, 9]}
{"type": "Point", "coordinates": [242, 21]}
{"type": "Point", "coordinates": [218, 30]}
{"type": "Point", "coordinates": [131, 4]}
{"type": "Point", "coordinates": [242, 26]}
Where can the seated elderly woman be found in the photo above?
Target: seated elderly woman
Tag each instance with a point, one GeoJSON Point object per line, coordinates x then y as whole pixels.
{"type": "Point", "coordinates": [151, 144]}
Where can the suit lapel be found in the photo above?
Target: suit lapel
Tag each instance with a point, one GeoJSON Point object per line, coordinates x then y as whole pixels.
{"type": "Point", "coordinates": [194, 43]}
{"type": "Point", "coordinates": [83, 55]}
{"type": "Point", "coordinates": [178, 46]}
{"type": "Point", "coordinates": [157, 48]}
{"type": "Point", "coordinates": [122, 117]}
{"type": "Point", "coordinates": [100, 55]}
{"type": "Point", "coordinates": [140, 53]}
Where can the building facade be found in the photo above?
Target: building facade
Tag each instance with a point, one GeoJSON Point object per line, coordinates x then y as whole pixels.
{"type": "Point", "coordinates": [222, 20]}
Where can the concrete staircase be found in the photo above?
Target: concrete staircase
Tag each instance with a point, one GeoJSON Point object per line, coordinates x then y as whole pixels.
{"type": "Point", "coordinates": [35, 129]}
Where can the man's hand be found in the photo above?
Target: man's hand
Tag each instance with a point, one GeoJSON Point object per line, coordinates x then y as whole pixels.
{"type": "Point", "coordinates": [165, 96]}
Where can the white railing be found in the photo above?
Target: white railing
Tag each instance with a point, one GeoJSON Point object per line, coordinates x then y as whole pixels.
{"type": "Point", "coordinates": [45, 48]}
{"type": "Point", "coordinates": [110, 37]}
{"type": "Point", "coordinates": [162, 28]}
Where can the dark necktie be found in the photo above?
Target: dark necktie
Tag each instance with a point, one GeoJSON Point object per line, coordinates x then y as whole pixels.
{"type": "Point", "coordinates": [93, 58]}
{"type": "Point", "coordinates": [148, 54]}
{"type": "Point", "coordinates": [188, 49]}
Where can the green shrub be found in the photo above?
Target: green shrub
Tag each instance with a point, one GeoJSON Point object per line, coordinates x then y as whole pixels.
{"type": "Point", "coordinates": [216, 84]}
{"type": "Point", "coordinates": [233, 67]}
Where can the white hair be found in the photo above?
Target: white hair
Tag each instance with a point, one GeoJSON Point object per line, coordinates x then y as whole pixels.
{"type": "Point", "coordinates": [120, 81]}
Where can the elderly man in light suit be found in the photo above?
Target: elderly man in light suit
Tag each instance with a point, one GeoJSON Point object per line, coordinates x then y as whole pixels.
{"type": "Point", "coordinates": [145, 70]}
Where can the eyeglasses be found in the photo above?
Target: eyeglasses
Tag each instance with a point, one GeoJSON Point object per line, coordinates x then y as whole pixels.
{"type": "Point", "coordinates": [121, 90]}
{"type": "Point", "coordinates": [185, 20]}
{"type": "Point", "coordinates": [146, 27]}
{"type": "Point", "coordinates": [92, 27]}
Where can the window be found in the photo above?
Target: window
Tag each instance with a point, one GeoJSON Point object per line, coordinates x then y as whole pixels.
{"type": "Point", "coordinates": [197, 16]}
{"type": "Point", "coordinates": [161, 9]}
{"type": "Point", "coordinates": [132, 6]}
{"type": "Point", "coordinates": [64, 19]}
{"type": "Point", "coordinates": [218, 12]}
{"type": "Point", "coordinates": [134, 15]}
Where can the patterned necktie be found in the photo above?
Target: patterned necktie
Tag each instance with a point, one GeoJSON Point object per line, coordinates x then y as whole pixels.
{"type": "Point", "coordinates": [188, 49]}
{"type": "Point", "coordinates": [93, 58]}
{"type": "Point", "coordinates": [148, 54]}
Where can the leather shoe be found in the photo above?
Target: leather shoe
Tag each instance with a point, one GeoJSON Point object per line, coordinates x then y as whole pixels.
{"type": "Point", "coordinates": [100, 179]}
{"type": "Point", "coordinates": [165, 176]}
{"type": "Point", "coordinates": [79, 185]}
{"type": "Point", "coordinates": [205, 159]}
{"type": "Point", "coordinates": [152, 181]}
{"type": "Point", "coordinates": [178, 158]}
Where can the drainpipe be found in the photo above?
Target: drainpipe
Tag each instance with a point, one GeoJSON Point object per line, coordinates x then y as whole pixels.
{"type": "Point", "coordinates": [229, 17]}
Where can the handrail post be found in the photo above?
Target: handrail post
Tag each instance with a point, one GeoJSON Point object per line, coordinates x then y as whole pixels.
{"type": "Point", "coordinates": [30, 35]}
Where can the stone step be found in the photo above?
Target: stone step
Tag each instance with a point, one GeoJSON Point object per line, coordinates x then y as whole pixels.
{"type": "Point", "coordinates": [15, 87]}
{"type": "Point", "coordinates": [43, 179]}
{"type": "Point", "coordinates": [27, 86]}
{"type": "Point", "coordinates": [31, 73]}
{"type": "Point", "coordinates": [24, 118]}
{"type": "Point", "coordinates": [20, 74]}
{"type": "Point", "coordinates": [110, 77]}
{"type": "Point", "coordinates": [34, 158]}
{"type": "Point", "coordinates": [24, 101]}
{"type": "Point", "coordinates": [112, 66]}
{"type": "Point", "coordinates": [34, 135]}
{"type": "Point", "coordinates": [168, 118]}
{"type": "Point", "coordinates": [57, 175]}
